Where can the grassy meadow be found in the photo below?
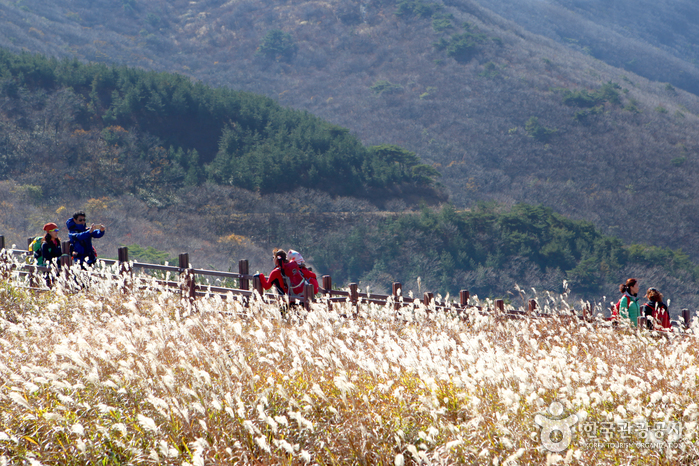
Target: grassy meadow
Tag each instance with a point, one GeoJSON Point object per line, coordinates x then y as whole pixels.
{"type": "Point", "coordinates": [105, 377]}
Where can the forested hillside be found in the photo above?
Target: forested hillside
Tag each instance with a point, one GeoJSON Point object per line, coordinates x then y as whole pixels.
{"type": "Point", "coordinates": [501, 113]}
{"type": "Point", "coordinates": [126, 130]}
{"type": "Point", "coordinates": [488, 250]}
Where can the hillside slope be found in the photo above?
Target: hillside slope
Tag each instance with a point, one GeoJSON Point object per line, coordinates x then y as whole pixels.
{"type": "Point", "coordinates": [655, 39]}
{"type": "Point", "coordinates": [489, 105]}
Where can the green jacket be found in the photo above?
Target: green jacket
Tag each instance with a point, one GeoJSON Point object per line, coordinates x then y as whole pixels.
{"type": "Point", "coordinates": [629, 309]}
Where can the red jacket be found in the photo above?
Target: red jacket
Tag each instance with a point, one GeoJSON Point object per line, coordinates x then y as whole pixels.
{"type": "Point", "coordinates": [661, 315]}
{"type": "Point", "coordinates": [311, 277]}
{"type": "Point", "coordinates": [291, 270]}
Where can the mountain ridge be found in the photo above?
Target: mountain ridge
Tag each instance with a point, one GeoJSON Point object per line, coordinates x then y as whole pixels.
{"type": "Point", "coordinates": [637, 36]}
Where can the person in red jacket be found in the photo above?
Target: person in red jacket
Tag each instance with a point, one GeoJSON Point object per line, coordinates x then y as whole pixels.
{"type": "Point", "coordinates": [286, 277]}
{"type": "Point", "coordinates": [657, 315]}
{"type": "Point", "coordinates": [306, 271]}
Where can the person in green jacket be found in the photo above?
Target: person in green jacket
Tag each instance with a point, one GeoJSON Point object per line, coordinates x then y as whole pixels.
{"type": "Point", "coordinates": [628, 304]}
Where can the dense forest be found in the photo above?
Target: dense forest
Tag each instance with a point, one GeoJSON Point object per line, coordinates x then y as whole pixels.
{"type": "Point", "coordinates": [159, 131]}
{"type": "Point", "coordinates": [488, 250]}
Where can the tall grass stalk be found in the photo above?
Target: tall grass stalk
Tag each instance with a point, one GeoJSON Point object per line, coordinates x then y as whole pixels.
{"type": "Point", "coordinates": [101, 376]}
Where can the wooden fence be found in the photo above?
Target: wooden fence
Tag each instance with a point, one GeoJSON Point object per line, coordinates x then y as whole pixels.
{"type": "Point", "coordinates": [189, 284]}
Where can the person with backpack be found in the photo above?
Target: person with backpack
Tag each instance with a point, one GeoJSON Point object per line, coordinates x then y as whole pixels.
{"type": "Point", "coordinates": [51, 246]}
{"type": "Point", "coordinates": [628, 303]}
{"type": "Point", "coordinates": [47, 247]}
{"type": "Point", "coordinates": [34, 251]}
{"type": "Point", "coordinates": [656, 312]}
{"type": "Point", "coordinates": [81, 238]}
{"type": "Point", "coordinates": [286, 277]}
{"type": "Point", "coordinates": [306, 271]}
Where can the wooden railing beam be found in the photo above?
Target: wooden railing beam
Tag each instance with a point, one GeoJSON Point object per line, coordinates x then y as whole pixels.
{"type": "Point", "coordinates": [189, 288]}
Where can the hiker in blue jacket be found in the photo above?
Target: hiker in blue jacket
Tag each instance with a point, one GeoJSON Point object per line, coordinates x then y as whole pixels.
{"type": "Point", "coordinates": [81, 238]}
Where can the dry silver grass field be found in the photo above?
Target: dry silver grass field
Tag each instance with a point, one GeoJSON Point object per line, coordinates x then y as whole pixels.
{"type": "Point", "coordinates": [101, 377]}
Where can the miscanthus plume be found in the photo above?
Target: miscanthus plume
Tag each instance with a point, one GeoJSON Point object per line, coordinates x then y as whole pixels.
{"type": "Point", "coordinates": [146, 378]}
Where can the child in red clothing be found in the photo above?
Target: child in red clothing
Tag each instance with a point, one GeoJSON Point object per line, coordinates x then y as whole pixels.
{"type": "Point", "coordinates": [306, 271]}
{"type": "Point", "coordinates": [286, 277]}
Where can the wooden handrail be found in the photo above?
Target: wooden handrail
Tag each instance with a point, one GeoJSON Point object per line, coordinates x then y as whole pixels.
{"type": "Point", "coordinates": [216, 273]}
{"type": "Point", "coordinates": [249, 284]}
{"type": "Point", "coordinates": [161, 268]}
{"type": "Point", "coordinates": [193, 288]}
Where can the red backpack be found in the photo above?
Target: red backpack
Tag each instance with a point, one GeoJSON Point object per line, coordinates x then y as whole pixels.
{"type": "Point", "coordinates": [293, 278]}
{"type": "Point", "coordinates": [616, 313]}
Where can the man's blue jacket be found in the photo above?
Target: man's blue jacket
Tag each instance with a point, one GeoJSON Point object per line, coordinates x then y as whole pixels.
{"type": "Point", "coordinates": [81, 241]}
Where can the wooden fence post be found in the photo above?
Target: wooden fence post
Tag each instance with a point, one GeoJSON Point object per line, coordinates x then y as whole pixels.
{"type": "Point", "coordinates": [328, 286]}
{"type": "Point", "coordinates": [327, 283]}
{"type": "Point", "coordinates": [641, 322]}
{"type": "Point", "coordinates": [587, 313]}
{"type": "Point", "coordinates": [687, 317]}
{"type": "Point", "coordinates": [32, 270]}
{"type": "Point", "coordinates": [427, 299]}
{"type": "Point", "coordinates": [500, 306]}
{"type": "Point", "coordinates": [308, 296]}
{"type": "Point", "coordinates": [463, 298]}
{"type": "Point", "coordinates": [66, 256]}
{"type": "Point", "coordinates": [187, 277]}
{"type": "Point", "coordinates": [354, 294]}
{"type": "Point", "coordinates": [123, 258]}
{"type": "Point", "coordinates": [183, 261]}
{"type": "Point", "coordinates": [396, 290]}
{"type": "Point", "coordinates": [66, 260]}
{"type": "Point", "coordinates": [531, 307]}
{"type": "Point", "coordinates": [257, 286]}
{"type": "Point", "coordinates": [243, 269]}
